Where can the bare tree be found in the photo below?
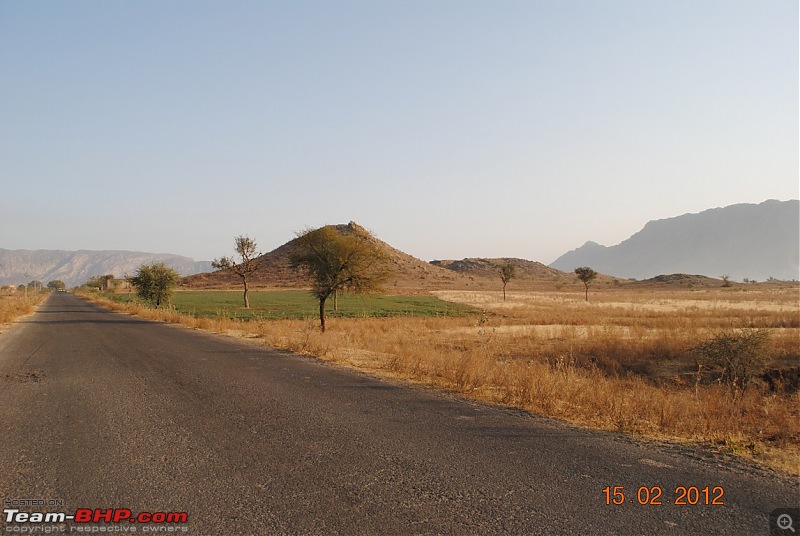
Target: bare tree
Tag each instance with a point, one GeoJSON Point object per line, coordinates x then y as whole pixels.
{"type": "Point", "coordinates": [507, 272]}
{"type": "Point", "coordinates": [335, 260]}
{"type": "Point", "coordinates": [586, 275]}
{"type": "Point", "coordinates": [246, 248]}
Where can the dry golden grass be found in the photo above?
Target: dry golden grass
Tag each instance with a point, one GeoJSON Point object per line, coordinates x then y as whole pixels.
{"type": "Point", "coordinates": [620, 362]}
{"type": "Point", "coordinates": [16, 304]}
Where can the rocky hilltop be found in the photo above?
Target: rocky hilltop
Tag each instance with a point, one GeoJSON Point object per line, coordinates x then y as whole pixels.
{"type": "Point", "coordinates": [409, 273]}
{"type": "Point", "coordinates": [275, 271]}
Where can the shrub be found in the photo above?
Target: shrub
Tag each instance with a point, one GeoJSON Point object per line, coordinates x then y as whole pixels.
{"type": "Point", "coordinates": [735, 356]}
{"type": "Point", "coordinates": [154, 282]}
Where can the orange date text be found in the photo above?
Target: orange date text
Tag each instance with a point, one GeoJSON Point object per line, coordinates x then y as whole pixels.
{"type": "Point", "coordinates": [655, 495]}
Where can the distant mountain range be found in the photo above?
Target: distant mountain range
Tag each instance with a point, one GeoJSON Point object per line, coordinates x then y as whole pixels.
{"type": "Point", "coordinates": [753, 241]}
{"type": "Point", "coordinates": [741, 241]}
{"type": "Point", "coordinates": [75, 267]}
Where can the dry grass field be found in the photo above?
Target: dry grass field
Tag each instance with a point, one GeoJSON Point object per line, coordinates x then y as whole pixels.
{"type": "Point", "coordinates": [622, 361]}
{"type": "Point", "coordinates": [16, 304]}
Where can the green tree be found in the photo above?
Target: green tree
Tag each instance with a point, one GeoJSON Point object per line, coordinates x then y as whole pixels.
{"type": "Point", "coordinates": [246, 248]}
{"type": "Point", "coordinates": [507, 272]}
{"type": "Point", "coordinates": [154, 282]}
{"type": "Point", "coordinates": [340, 260]}
{"type": "Point", "coordinates": [101, 282]}
{"type": "Point", "coordinates": [56, 284]}
{"type": "Point", "coordinates": [586, 275]}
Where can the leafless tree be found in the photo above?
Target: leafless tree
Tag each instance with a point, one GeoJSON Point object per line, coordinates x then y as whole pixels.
{"type": "Point", "coordinates": [246, 248]}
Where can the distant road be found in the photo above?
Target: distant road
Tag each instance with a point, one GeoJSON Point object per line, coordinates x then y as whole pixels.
{"type": "Point", "coordinates": [104, 410]}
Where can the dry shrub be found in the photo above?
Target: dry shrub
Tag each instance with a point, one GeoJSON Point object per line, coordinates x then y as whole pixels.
{"type": "Point", "coordinates": [16, 304]}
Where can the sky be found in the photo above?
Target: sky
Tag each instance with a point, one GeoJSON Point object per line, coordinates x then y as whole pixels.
{"type": "Point", "coordinates": [450, 129]}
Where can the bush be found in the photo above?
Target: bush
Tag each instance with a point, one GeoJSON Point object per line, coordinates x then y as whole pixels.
{"type": "Point", "coordinates": [736, 357]}
{"type": "Point", "coordinates": [154, 282]}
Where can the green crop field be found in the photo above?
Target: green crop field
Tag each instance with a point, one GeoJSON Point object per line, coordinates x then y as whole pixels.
{"type": "Point", "coordinates": [282, 304]}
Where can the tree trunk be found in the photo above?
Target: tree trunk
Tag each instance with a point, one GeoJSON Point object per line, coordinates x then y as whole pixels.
{"type": "Point", "coordinates": [322, 314]}
{"type": "Point", "coordinates": [246, 301]}
{"type": "Point", "coordinates": [504, 292]}
{"type": "Point", "coordinates": [587, 292]}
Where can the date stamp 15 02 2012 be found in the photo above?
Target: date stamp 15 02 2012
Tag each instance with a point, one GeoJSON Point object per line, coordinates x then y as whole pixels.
{"type": "Point", "coordinates": [656, 496]}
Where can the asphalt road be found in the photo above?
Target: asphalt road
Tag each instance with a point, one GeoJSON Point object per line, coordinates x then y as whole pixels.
{"type": "Point", "coordinates": [102, 410]}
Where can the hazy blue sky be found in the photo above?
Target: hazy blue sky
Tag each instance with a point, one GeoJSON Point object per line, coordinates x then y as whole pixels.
{"type": "Point", "coordinates": [449, 128]}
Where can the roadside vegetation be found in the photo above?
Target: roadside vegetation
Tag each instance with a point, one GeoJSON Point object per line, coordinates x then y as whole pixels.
{"type": "Point", "coordinates": [714, 367]}
{"type": "Point", "coordinates": [14, 304]}
{"type": "Point", "coordinates": [154, 283]}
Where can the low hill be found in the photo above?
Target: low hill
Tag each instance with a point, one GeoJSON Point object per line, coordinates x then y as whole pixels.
{"type": "Point", "coordinates": [275, 271]}
{"type": "Point", "coordinates": [678, 280]}
{"type": "Point", "coordinates": [529, 275]}
{"type": "Point", "coordinates": [19, 266]}
{"type": "Point", "coordinates": [754, 241]}
{"type": "Point", "coordinates": [489, 268]}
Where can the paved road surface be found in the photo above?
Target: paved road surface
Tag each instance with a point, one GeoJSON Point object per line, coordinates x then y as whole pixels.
{"type": "Point", "coordinates": [103, 410]}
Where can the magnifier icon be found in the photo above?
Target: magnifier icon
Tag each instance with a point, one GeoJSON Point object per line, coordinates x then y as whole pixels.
{"type": "Point", "coordinates": [785, 522]}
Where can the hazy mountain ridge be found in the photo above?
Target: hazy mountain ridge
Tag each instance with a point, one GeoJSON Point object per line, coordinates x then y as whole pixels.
{"type": "Point", "coordinates": [743, 241]}
{"type": "Point", "coordinates": [75, 267]}
{"type": "Point", "coordinates": [754, 241]}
